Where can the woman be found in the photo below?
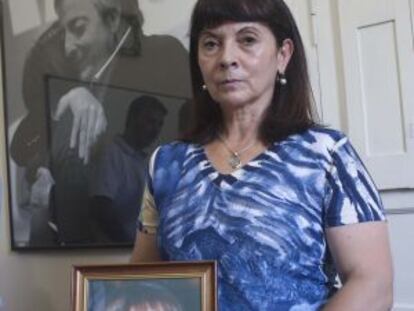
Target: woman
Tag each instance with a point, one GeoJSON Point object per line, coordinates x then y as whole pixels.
{"type": "Point", "coordinates": [280, 202]}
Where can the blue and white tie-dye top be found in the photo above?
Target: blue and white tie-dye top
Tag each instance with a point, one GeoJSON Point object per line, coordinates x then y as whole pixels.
{"type": "Point", "coordinates": [264, 223]}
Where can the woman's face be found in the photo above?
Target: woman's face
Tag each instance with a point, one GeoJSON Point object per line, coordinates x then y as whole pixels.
{"type": "Point", "coordinates": [239, 62]}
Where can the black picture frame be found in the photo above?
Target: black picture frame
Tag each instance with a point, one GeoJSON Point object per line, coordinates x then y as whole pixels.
{"type": "Point", "coordinates": [38, 72]}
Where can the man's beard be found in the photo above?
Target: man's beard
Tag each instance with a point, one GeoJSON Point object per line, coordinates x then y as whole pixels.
{"type": "Point", "coordinates": [87, 73]}
{"type": "Point", "coordinates": [93, 64]}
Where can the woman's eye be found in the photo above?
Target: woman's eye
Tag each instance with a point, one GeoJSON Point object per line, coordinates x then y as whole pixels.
{"type": "Point", "coordinates": [209, 44]}
{"type": "Point", "coordinates": [248, 40]}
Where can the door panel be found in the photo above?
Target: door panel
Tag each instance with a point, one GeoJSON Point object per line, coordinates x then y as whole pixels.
{"type": "Point", "coordinates": [378, 64]}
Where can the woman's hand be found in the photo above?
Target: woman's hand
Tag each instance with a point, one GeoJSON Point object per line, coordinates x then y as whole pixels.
{"type": "Point", "coordinates": [145, 248]}
{"type": "Point", "coordinates": [361, 253]}
{"type": "Point", "coordinates": [89, 120]}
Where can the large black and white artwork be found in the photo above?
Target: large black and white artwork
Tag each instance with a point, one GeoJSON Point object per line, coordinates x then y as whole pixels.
{"type": "Point", "coordinates": [91, 88]}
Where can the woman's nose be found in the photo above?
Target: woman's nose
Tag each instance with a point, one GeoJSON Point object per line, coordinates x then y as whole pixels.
{"type": "Point", "coordinates": [228, 56]}
{"type": "Point", "coordinates": [227, 64]}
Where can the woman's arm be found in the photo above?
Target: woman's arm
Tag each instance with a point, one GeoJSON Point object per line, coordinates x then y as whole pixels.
{"type": "Point", "coordinates": [145, 248]}
{"type": "Point", "coordinates": [361, 253]}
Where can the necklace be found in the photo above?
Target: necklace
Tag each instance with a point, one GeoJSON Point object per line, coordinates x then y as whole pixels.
{"type": "Point", "coordinates": [234, 159]}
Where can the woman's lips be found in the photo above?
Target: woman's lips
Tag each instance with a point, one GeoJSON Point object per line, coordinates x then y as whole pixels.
{"type": "Point", "coordinates": [230, 83]}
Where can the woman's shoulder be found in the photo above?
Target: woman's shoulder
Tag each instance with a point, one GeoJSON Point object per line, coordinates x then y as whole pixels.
{"type": "Point", "coordinates": [165, 167]}
{"type": "Point", "coordinates": [318, 143]}
{"type": "Point", "coordinates": [320, 137]}
{"type": "Point", "coordinates": [174, 147]}
{"type": "Point", "coordinates": [172, 152]}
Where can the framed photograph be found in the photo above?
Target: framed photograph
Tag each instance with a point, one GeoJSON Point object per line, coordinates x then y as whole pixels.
{"type": "Point", "coordinates": [178, 286]}
{"type": "Point", "coordinates": [87, 100]}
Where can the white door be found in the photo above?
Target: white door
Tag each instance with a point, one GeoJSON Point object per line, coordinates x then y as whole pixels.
{"type": "Point", "coordinates": [378, 65]}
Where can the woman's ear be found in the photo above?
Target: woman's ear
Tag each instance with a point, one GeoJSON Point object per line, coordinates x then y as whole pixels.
{"type": "Point", "coordinates": [284, 54]}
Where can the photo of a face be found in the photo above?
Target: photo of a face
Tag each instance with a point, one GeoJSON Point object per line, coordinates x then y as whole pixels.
{"type": "Point", "coordinates": [145, 295]}
{"type": "Point", "coordinates": [89, 38]}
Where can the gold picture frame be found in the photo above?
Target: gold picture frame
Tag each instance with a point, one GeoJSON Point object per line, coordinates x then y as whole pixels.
{"type": "Point", "coordinates": [186, 286]}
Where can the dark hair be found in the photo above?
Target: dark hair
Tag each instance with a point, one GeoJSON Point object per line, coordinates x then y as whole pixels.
{"type": "Point", "coordinates": [141, 105]}
{"type": "Point", "coordinates": [291, 110]}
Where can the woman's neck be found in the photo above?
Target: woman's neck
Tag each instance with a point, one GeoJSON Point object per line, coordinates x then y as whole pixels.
{"type": "Point", "coordinates": [241, 125]}
{"type": "Point", "coordinates": [239, 142]}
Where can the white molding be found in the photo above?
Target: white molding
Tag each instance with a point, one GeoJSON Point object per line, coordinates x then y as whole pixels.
{"type": "Point", "coordinates": [412, 19]}
{"type": "Point", "coordinates": [329, 64]}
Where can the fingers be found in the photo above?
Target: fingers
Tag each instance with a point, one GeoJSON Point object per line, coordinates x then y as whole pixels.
{"type": "Point", "coordinates": [101, 124]}
{"type": "Point", "coordinates": [89, 120]}
{"type": "Point", "coordinates": [96, 126]}
{"type": "Point", "coordinates": [90, 136]}
{"type": "Point", "coordinates": [83, 127]}
{"type": "Point", "coordinates": [75, 130]}
{"type": "Point", "coordinates": [62, 106]}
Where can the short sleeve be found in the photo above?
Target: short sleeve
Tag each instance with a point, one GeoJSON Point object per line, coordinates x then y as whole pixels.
{"type": "Point", "coordinates": [351, 195]}
{"type": "Point", "coordinates": [149, 217]}
{"type": "Point", "coordinates": [163, 176]}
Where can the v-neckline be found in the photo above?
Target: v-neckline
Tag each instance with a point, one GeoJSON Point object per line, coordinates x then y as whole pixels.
{"type": "Point", "coordinates": [218, 177]}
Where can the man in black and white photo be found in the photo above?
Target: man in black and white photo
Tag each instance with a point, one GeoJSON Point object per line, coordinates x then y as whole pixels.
{"type": "Point", "coordinates": [94, 43]}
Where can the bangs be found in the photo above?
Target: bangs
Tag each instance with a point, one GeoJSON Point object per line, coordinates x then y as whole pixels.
{"type": "Point", "coordinates": [212, 13]}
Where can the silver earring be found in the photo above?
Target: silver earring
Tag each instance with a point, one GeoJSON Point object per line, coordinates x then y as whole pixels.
{"type": "Point", "coordinates": [282, 79]}
{"type": "Point", "coordinates": [204, 87]}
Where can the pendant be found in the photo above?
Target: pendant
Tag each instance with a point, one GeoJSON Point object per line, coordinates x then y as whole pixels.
{"type": "Point", "coordinates": [234, 161]}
